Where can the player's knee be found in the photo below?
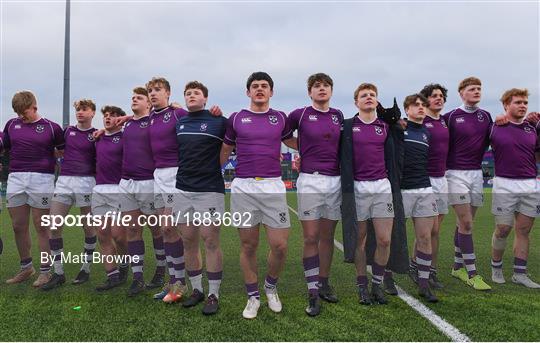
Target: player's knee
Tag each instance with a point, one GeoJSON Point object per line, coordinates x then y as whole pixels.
{"type": "Point", "coordinates": [466, 225]}
{"type": "Point", "coordinates": [211, 244]}
{"type": "Point", "coordinates": [383, 242]}
{"type": "Point", "coordinates": [523, 230]}
{"type": "Point", "coordinates": [279, 248]}
{"type": "Point", "coordinates": [249, 248]}
{"type": "Point", "coordinates": [502, 231]}
{"type": "Point", "coordinates": [311, 240]}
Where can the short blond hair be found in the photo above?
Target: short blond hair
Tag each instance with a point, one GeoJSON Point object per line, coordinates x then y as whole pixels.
{"type": "Point", "coordinates": [507, 96]}
{"type": "Point", "coordinates": [23, 100]}
{"type": "Point", "coordinates": [363, 86]}
{"type": "Point", "coordinates": [140, 91]}
{"type": "Point", "coordinates": [158, 81]}
{"type": "Point", "coordinates": [469, 81]}
{"type": "Point", "coordinates": [84, 103]}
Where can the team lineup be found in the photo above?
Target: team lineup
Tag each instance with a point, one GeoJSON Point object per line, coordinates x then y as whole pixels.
{"type": "Point", "coordinates": [166, 161]}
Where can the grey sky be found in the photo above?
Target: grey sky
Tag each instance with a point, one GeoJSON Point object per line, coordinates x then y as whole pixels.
{"type": "Point", "coordinates": [399, 46]}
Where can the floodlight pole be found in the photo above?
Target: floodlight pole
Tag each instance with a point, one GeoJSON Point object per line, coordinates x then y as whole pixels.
{"type": "Point", "coordinates": [65, 113]}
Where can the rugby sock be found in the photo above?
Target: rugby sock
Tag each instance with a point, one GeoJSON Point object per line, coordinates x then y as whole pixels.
{"type": "Point", "coordinates": [169, 248]}
{"type": "Point", "coordinates": [44, 268]}
{"type": "Point", "coordinates": [378, 273]}
{"type": "Point", "coordinates": [270, 282]}
{"type": "Point", "coordinates": [89, 247]}
{"type": "Point", "coordinates": [214, 281]}
{"type": "Point", "coordinates": [195, 278]}
{"type": "Point", "coordinates": [136, 248]}
{"type": "Point", "coordinates": [432, 270]}
{"type": "Point", "coordinates": [57, 247]}
{"type": "Point", "coordinates": [496, 264]}
{"type": "Point", "coordinates": [423, 261]}
{"type": "Point", "coordinates": [362, 281]}
{"type": "Point", "coordinates": [178, 261]}
{"type": "Point", "coordinates": [467, 251]}
{"type": "Point", "coordinates": [311, 273]}
{"type": "Point", "coordinates": [458, 258]}
{"type": "Point", "coordinates": [159, 250]}
{"type": "Point", "coordinates": [388, 274]}
{"type": "Point", "coordinates": [26, 263]}
{"type": "Point", "coordinates": [113, 274]}
{"type": "Point", "coordinates": [412, 264]}
{"type": "Point", "coordinates": [252, 290]}
{"type": "Point", "coordinates": [520, 266]}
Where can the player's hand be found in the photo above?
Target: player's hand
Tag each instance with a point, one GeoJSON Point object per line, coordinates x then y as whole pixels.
{"type": "Point", "coordinates": [119, 121]}
{"type": "Point", "coordinates": [216, 111]}
{"type": "Point", "coordinates": [501, 119]}
{"type": "Point", "coordinates": [175, 104]}
{"type": "Point", "coordinates": [533, 118]}
{"type": "Point", "coordinates": [98, 133]}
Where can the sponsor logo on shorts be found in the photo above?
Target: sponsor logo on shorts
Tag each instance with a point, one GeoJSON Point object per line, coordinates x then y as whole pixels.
{"type": "Point", "coordinates": [538, 209]}
{"type": "Point", "coordinates": [434, 205]}
{"type": "Point", "coordinates": [169, 198]}
{"type": "Point", "coordinates": [246, 120]}
{"type": "Point", "coordinates": [45, 201]}
{"type": "Point", "coordinates": [40, 128]}
{"type": "Point", "coordinates": [212, 210]}
{"type": "Point", "coordinates": [389, 207]}
{"type": "Point", "coordinates": [378, 130]}
{"type": "Point", "coordinates": [152, 206]}
{"type": "Point", "coordinates": [307, 213]}
{"type": "Point", "coordinates": [87, 198]}
{"type": "Point", "coordinates": [283, 217]}
{"type": "Point", "coordinates": [499, 209]}
{"type": "Point", "coordinates": [273, 119]}
{"type": "Point", "coordinates": [335, 119]}
{"type": "Point", "coordinates": [461, 197]}
{"type": "Point", "coordinates": [204, 126]}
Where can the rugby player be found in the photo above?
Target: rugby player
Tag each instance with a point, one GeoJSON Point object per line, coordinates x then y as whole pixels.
{"type": "Point", "coordinates": [162, 136]}
{"type": "Point", "coordinates": [200, 190]}
{"type": "Point", "coordinates": [373, 193]}
{"type": "Point", "coordinates": [258, 192]}
{"type": "Point", "coordinates": [32, 142]}
{"type": "Point", "coordinates": [112, 239]}
{"type": "Point", "coordinates": [436, 168]}
{"type": "Point", "coordinates": [516, 192]}
{"type": "Point", "coordinates": [418, 197]}
{"type": "Point", "coordinates": [74, 188]}
{"type": "Point", "coordinates": [469, 128]}
{"type": "Point", "coordinates": [318, 186]}
{"type": "Point", "coordinates": [137, 189]}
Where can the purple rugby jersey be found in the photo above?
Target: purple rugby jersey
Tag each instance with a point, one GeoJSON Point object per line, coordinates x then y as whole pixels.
{"type": "Point", "coordinates": [79, 152]}
{"type": "Point", "coordinates": [318, 139]}
{"type": "Point", "coordinates": [109, 149]}
{"type": "Point", "coordinates": [469, 138]}
{"type": "Point", "coordinates": [257, 137]}
{"type": "Point", "coordinates": [438, 146]}
{"type": "Point", "coordinates": [163, 136]}
{"type": "Point", "coordinates": [32, 145]}
{"type": "Point", "coordinates": [1, 141]}
{"type": "Point", "coordinates": [514, 146]}
{"type": "Point", "coordinates": [137, 160]}
{"type": "Point", "coordinates": [368, 149]}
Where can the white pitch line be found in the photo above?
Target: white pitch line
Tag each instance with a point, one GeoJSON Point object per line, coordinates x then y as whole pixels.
{"type": "Point", "coordinates": [442, 325]}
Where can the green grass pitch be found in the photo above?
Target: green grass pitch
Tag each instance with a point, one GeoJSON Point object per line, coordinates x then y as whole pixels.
{"type": "Point", "coordinates": [507, 313]}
